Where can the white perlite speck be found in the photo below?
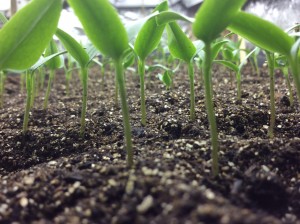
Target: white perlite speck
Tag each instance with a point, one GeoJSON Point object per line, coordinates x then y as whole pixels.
{"type": "Point", "coordinates": [145, 205]}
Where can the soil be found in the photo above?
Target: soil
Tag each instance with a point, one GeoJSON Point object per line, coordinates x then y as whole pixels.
{"type": "Point", "coordinates": [51, 175]}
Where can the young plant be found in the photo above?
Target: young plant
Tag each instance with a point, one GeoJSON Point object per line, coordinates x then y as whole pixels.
{"type": "Point", "coordinates": [83, 59]}
{"type": "Point", "coordinates": [211, 19]}
{"type": "Point", "coordinates": [106, 31]}
{"type": "Point", "coordinates": [25, 36]}
{"type": "Point", "coordinates": [237, 68]}
{"type": "Point", "coordinates": [53, 64]}
{"type": "Point", "coordinates": [182, 47]}
{"type": "Point", "coordinates": [269, 37]}
{"type": "Point", "coordinates": [147, 40]}
{"type": "Point", "coordinates": [281, 63]}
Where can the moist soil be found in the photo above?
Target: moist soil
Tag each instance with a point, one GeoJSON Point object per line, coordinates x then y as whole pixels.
{"type": "Point", "coordinates": [52, 175]}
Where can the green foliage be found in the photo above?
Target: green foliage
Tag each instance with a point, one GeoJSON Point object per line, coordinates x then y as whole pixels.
{"type": "Point", "coordinates": [102, 25]}
{"type": "Point", "coordinates": [55, 62]}
{"type": "Point", "coordinates": [262, 33]}
{"type": "Point", "coordinates": [213, 17]}
{"type": "Point", "coordinates": [150, 34]}
{"type": "Point", "coordinates": [24, 37]}
{"type": "Point", "coordinates": [180, 45]}
{"type": "Point", "coordinates": [166, 78]}
{"type": "Point", "coordinates": [73, 47]}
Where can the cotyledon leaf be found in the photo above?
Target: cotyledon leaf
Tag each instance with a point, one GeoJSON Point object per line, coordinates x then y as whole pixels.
{"type": "Point", "coordinates": [25, 36]}
{"type": "Point", "coordinates": [262, 33]}
{"type": "Point", "coordinates": [213, 17]}
{"type": "Point", "coordinates": [73, 47]}
{"type": "Point", "coordinates": [102, 25]}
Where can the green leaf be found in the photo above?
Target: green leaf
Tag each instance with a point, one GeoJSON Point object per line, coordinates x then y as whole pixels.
{"type": "Point", "coordinates": [180, 45]}
{"type": "Point", "coordinates": [149, 36]}
{"type": "Point", "coordinates": [44, 60]}
{"type": "Point", "coordinates": [228, 64]}
{"type": "Point", "coordinates": [102, 25]}
{"type": "Point", "coordinates": [262, 33]}
{"type": "Point", "coordinates": [246, 58]}
{"type": "Point", "coordinates": [169, 16]}
{"type": "Point", "coordinates": [73, 47]}
{"type": "Point", "coordinates": [213, 17]}
{"type": "Point", "coordinates": [166, 78]}
{"type": "Point", "coordinates": [134, 27]}
{"type": "Point", "coordinates": [157, 66]}
{"type": "Point", "coordinates": [25, 36]}
{"type": "Point", "coordinates": [216, 47]}
{"type": "Point", "coordinates": [55, 62]}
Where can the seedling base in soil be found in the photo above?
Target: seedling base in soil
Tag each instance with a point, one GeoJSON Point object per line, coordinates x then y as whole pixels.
{"type": "Point", "coordinates": [51, 174]}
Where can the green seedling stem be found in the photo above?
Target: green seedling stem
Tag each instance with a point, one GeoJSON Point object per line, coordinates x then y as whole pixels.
{"type": "Point", "coordinates": [52, 64]}
{"type": "Point", "coordinates": [2, 82]}
{"type": "Point", "coordinates": [125, 111]}
{"type": "Point", "coordinates": [28, 101]}
{"type": "Point", "coordinates": [141, 70]}
{"type": "Point", "coordinates": [210, 109]}
{"type": "Point", "coordinates": [192, 90]}
{"type": "Point", "coordinates": [293, 60]}
{"type": "Point", "coordinates": [84, 75]}
{"type": "Point", "coordinates": [270, 60]}
{"type": "Point", "coordinates": [211, 19]}
{"type": "Point", "coordinates": [285, 71]}
{"type": "Point", "coordinates": [147, 40]}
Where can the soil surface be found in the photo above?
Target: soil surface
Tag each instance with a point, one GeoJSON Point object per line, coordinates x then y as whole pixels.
{"type": "Point", "coordinates": [51, 175]}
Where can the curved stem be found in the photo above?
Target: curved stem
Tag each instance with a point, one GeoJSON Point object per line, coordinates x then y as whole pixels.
{"type": "Point", "coordinates": [84, 75]}
{"type": "Point", "coordinates": [285, 71]}
{"type": "Point", "coordinates": [125, 111]}
{"type": "Point", "coordinates": [210, 109]}
{"type": "Point", "coordinates": [238, 83]}
{"type": "Point", "coordinates": [142, 91]}
{"type": "Point", "coordinates": [192, 91]}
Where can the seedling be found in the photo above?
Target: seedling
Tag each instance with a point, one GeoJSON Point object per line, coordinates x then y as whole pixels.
{"type": "Point", "coordinates": [24, 38]}
{"type": "Point", "coordinates": [182, 47]}
{"type": "Point", "coordinates": [281, 62]}
{"type": "Point", "coordinates": [147, 40]}
{"type": "Point", "coordinates": [268, 36]}
{"type": "Point", "coordinates": [237, 68]}
{"type": "Point", "coordinates": [83, 59]}
{"type": "Point", "coordinates": [106, 31]}
{"type": "Point", "coordinates": [211, 19]}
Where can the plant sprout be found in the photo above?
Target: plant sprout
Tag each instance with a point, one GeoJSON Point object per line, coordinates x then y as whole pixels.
{"type": "Point", "coordinates": [267, 36]}
{"type": "Point", "coordinates": [211, 19]}
{"type": "Point", "coordinates": [281, 62]}
{"type": "Point", "coordinates": [106, 31]}
{"type": "Point", "coordinates": [147, 40]}
{"type": "Point", "coordinates": [83, 59]}
{"type": "Point", "coordinates": [237, 68]}
{"type": "Point", "coordinates": [182, 47]}
{"type": "Point", "coordinates": [24, 37]}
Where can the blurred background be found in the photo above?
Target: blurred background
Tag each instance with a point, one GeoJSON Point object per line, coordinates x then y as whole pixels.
{"type": "Point", "coordinates": [283, 13]}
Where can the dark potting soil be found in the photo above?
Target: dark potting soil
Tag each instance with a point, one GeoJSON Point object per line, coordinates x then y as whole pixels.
{"type": "Point", "coordinates": [51, 175]}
